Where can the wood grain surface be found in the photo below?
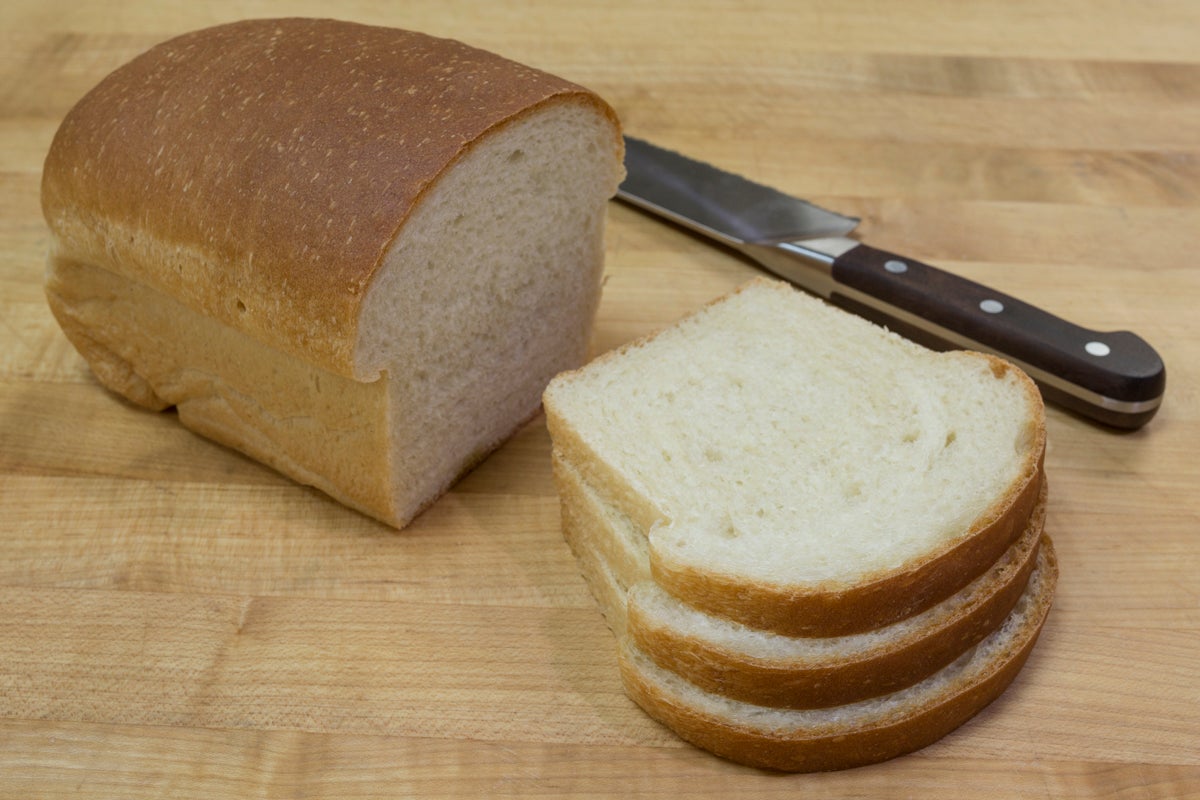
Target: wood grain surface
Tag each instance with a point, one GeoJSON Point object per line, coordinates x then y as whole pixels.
{"type": "Point", "coordinates": [180, 621]}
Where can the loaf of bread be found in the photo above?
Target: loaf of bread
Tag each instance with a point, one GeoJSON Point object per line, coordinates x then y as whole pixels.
{"type": "Point", "coordinates": [818, 544]}
{"type": "Point", "coordinates": [354, 253]}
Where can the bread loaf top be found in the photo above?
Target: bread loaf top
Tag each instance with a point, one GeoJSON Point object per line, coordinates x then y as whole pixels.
{"type": "Point", "coordinates": [258, 171]}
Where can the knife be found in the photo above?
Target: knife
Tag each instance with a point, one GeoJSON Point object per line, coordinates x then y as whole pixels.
{"type": "Point", "coordinates": [1115, 378]}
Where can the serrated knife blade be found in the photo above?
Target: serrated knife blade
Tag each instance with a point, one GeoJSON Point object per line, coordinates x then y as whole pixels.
{"type": "Point", "coordinates": [1115, 378]}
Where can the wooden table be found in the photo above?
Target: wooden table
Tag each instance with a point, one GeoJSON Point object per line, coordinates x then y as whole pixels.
{"type": "Point", "coordinates": [179, 620]}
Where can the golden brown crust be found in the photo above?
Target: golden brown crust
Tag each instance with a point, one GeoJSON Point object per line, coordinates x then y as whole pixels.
{"type": "Point", "coordinates": [818, 749]}
{"type": "Point", "coordinates": [836, 678]}
{"type": "Point", "coordinates": [258, 171]}
{"type": "Point", "coordinates": [321, 429]}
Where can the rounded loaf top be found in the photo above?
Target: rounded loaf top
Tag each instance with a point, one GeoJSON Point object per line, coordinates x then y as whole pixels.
{"type": "Point", "coordinates": [259, 170]}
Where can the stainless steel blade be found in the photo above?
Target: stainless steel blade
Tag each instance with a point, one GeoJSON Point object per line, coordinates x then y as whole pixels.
{"type": "Point", "coordinates": [720, 204]}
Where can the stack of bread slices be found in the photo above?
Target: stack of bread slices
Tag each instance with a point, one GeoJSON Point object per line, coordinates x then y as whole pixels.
{"type": "Point", "coordinates": [818, 545]}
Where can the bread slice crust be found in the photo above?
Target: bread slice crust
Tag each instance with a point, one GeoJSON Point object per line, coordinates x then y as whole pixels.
{"type": "Point", "coordinates": [810, 740]}
{"type": "Point", "coordinates": [856, 735]}
{"type": "Point", "coordinates": [819, 673]}
{"type": "Point", "coordinates": [767, 669]}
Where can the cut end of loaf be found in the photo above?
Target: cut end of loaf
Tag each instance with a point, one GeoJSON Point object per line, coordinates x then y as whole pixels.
{"type": "Point", "coordinates": [489, 291]}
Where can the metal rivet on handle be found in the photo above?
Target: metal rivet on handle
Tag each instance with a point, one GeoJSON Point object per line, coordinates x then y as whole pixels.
{"type": "Point", "coordinates": [1097, 348]}
{"type": "Point", "coordinates": [895, 266]}
{"type": "Point", "coordinates": [991, 306]}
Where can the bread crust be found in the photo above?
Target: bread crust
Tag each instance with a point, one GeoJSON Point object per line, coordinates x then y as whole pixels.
{"type": "Point", "coordinates": [841, 747]}
{"type": "Point", "coordinates": [321, 429]}
{"type": "Point", "coordinates": [258, 171]}
{"type": "Point", "coordinates": [837, 678]}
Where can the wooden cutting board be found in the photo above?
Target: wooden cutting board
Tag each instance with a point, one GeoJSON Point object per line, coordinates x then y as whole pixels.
{"type": "Point", "coordinates": [179, 620]}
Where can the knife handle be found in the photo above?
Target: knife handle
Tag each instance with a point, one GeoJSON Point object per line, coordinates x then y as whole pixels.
{"type": "Point", "coordinates": [1112, 377]}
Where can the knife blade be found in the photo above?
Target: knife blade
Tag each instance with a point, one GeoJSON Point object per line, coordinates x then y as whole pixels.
{"type": "Point", "coordinates": [1113, 377]}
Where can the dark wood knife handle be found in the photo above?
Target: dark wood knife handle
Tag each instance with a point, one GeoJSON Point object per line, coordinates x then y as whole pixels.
{"type": "Point", "coordinates": [1112, 377]}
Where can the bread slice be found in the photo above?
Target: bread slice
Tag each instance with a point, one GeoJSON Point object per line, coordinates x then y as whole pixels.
{"type": "Point", "coordinates": [860, 733]}
{"type": "Point", "coordinates": [357, 254]}
{"type": "Point", "coordinates": [828, 738]}
{"type": "Point", "coordinates": [769, 669]}
{"type": "Point", "coordinates": [800, 470]}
